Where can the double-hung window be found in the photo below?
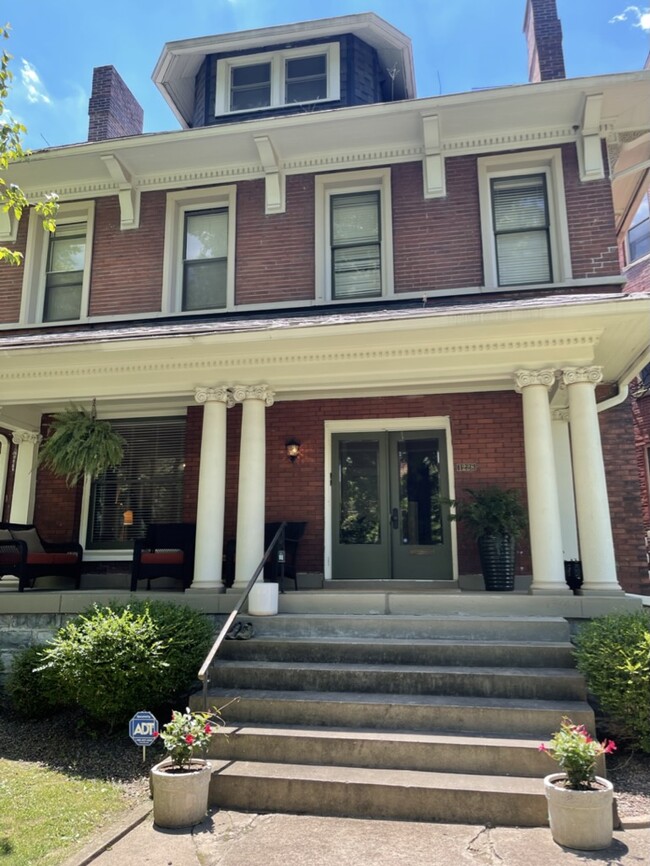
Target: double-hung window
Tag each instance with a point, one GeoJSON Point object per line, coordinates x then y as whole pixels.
{"type": "Point", "coordinates": [524, 225]}
{"type": "Point", "coordinates": [274, 79]}
{"type": "Point", "coordinates": [66, 258]}
{"type": "Point", "coordinates": [199, 259]}
{"type": "Point", "coordinates": [521, 230]}
{"type": "Point", "coordinates": [638, 234]}
{"type": "Point", "coordinates": [354, 253]}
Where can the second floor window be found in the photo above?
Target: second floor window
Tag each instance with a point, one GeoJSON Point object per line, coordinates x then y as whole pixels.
{"type": "Point", "coordinates": [520, 218]}
{"type": "Point", "coordinates": [638, 235]}
{"type": "Point", "coordinates": [66, 259]}
{"type": "Point", "coordinates": [356, 245]}
{"type": "Point", "coordinates": [205, 259]}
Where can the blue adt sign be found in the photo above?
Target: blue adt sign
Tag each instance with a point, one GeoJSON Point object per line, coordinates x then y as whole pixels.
{"type": "Point", "coordinates": [143, 728]}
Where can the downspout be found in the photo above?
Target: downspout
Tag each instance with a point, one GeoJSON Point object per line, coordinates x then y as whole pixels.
{"type": "Point", "coordinates": [621, 397]}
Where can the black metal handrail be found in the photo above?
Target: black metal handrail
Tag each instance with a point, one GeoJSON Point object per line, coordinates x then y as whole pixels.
{"type": "Point", "coordinates": [278, 539]}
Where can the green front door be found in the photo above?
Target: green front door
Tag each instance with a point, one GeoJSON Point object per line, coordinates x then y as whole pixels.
{"type": "Point", "coordinates": [387, 521]}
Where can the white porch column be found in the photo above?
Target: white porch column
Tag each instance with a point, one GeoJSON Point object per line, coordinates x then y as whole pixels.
{"type": "Point", "coordinates": [543, 504]}
{"type": "Point", "coordinates": [592, 505]}
{"type": "Point", "coordinates": [252, 476]}
{"type": "Point", "coordinates": [24, 493]}
{"type": "Point", "coordinates": [564, 471]}
{"type": "Point", "coordinates": [210, 506]}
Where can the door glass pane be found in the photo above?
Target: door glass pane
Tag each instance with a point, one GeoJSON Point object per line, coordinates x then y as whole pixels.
{"type": "Point", "coordinates": [359, 509]}
{"type": "Point", "coordinates": [418, 463]}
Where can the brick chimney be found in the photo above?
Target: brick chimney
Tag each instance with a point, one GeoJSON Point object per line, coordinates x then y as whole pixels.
{"type": "Point", "coordinates": [544, 37]}
{"type": "Point", "coordinates": [113, 110]}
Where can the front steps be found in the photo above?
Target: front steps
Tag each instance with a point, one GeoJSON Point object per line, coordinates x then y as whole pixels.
{"type": "Point", "coordinates": [398, 717]}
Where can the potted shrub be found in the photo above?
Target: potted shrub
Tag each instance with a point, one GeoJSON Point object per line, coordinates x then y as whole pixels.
{"type": "Point", "coordinates": [495, 517]}
{"type": "Point", "coordinates": [180, 783]}
{"type": "Point", "coordinates": [579, 802]}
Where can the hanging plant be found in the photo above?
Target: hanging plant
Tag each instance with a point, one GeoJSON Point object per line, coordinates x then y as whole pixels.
{"type": "Point", "coordinates": [79, 444]}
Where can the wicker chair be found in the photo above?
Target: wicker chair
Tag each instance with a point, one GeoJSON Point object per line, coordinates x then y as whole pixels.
{"type": "Point", "coordinates": [167, 550]}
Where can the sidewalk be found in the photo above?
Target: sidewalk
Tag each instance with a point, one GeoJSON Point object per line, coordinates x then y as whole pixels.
{"type": "Point", "coordinates": [246, 839]}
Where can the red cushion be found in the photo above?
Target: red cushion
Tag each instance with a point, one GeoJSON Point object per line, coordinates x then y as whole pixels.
{"type": "Point", "coordinates": [52, 558]}
{"type": "Point", "coordinates": [168, 557]}
{"type": "Point", "coordinates": [7, 558]}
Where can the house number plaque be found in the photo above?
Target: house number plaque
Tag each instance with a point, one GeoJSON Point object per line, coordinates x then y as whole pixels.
{"type": "Point", "coordinates": [466, 467]}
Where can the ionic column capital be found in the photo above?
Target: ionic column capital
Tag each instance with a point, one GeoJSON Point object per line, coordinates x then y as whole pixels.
{"type": "Point", "coordinates": [214, 395]}
{"type": "Point", "coordinates": [524, 378]}
{"type": "Point", "coordinates": [589, 375]}
{"type": "Point", "coordinates": [253, 392]}
{"type": "Point", "coordinates": [21, 437]}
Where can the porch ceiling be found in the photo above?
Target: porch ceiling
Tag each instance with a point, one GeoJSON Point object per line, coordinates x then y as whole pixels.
{"type": "Point", "coordinates": [398, 351]}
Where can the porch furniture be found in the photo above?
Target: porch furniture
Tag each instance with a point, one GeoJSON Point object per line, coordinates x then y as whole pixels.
{"type": "Point", "coordinates": [167, 550]}
{"type": "Point", "coordinates": [26, 555]}
{"type": "Point", "coordinates": [273, 569]}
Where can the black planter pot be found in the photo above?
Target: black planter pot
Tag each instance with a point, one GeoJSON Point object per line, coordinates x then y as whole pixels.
{"type": "Point", "coordinates": [497, 553]}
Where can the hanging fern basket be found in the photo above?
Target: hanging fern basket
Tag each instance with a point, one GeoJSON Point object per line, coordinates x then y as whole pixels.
{"type": "Point", "coordinates": [79, 444]}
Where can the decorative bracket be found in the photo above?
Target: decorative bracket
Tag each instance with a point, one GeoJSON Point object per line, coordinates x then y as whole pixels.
{"type": "Point", "coordinates": [8, 227]}
{"type": "Point", "coordinates": [434, 162]}
{"type": "Point", "coordinates": [590, 153]}
{"type": "Point", "coordinates": [128, 194]}
{"type": "Point", "coordinates": [275, 200]}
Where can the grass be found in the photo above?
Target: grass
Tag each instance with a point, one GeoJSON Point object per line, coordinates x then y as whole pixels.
{"type": "Point", "coordinates": [45, 813]}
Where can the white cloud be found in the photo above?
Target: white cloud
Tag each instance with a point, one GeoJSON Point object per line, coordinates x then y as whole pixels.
{"type": "Point", "coordinates": [32, 83]}
{"type": "Point", "coordinates": [640, 17]}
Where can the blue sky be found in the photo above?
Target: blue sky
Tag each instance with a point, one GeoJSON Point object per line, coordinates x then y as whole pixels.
{"type": "Point", "coordinates": [457, 45]}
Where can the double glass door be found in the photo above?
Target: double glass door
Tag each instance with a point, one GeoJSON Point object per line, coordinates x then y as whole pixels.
{"type": "Point", "coordinates": [387, 518]}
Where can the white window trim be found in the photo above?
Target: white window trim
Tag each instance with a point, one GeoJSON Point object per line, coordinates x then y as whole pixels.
{"type": "Point", "coordinates": [629, 261]}
{"type": "Point", "coordinates": [549, 163]}
{"type": "Point", "coordinates": [33, 296]}
{"type": "Point", "coordinates": [277, 59]}
{"type": "Point", "coordinates": [178, 204]}
{"type": "Point", "coordinates": [340, 183]}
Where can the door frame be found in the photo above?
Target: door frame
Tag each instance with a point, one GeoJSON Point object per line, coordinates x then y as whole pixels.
{"type": "Point", "coordinates": [383, 425]}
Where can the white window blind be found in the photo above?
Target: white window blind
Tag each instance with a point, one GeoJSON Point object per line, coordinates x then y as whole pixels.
{"type": "Point", "coordinates": [356, 245]}
{"type": "Point", "coordinates": [66, 259]}
{"type": "Point", "coordinates": [147, 487]}
{"type": "Point", "coordinates": [521, 230]}
{"type": "Point", "coordinates": [205, 259]}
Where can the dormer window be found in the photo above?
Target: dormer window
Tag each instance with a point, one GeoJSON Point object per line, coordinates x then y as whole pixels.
{"type": "Point", "coordinates": [275, 79]}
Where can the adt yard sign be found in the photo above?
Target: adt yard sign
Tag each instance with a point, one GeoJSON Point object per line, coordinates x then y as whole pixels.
{"type": "Point", "coordinates": [143, 728]}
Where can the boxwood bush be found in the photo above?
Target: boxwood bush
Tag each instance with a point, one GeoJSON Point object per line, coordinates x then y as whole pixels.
{"type": "Point", "coordinates": [33, 691]}
{"type": "Point", "coordinates": [613, 652]}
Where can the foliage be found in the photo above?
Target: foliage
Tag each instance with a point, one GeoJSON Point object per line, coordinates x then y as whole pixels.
{"type": "Point", "coordinates": [110, 663]}
{"type": "Point", "coordinates": [80, 445]}
{"type": "Point", "coordinates": [576, 753]}
{"type": "Point", "coordinates": [613, 652]}
{"type": "Point", "coordinates": [12, 198]}
{"type": "Point", "coordinates": [33, 691]}
{"type": "Point", "coordinates": [46, 814]}
{"type": "Point", "coordinates": [490, 511]}
{"type": "Point", "coordinates": [187, 635]}
{"type": "Point", "coordinates": [188, 732]}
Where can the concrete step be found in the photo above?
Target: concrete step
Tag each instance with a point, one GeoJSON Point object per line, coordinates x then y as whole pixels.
{"type": "Point", "coordinates": [377, 793]}
{"type": "Point", "coordinates": [398, 750]}
{"type": "Point", "coordinates": [425, 627]}
{"type": "Point", "coordinates": [486, 682]}
{"type": "Point", "coordinates": [342, 650]}
{"type": "Point", "coordinates": [440, 713]}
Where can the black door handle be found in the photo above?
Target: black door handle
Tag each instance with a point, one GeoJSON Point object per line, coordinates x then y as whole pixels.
{"type": "Point", "coordinates": [394, 519]}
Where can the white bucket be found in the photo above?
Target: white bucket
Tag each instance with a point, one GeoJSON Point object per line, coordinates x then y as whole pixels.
{"type": "Point", "coordinates": [263, 599]}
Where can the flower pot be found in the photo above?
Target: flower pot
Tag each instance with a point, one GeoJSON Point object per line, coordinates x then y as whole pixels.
{"type": "Point", "coordinates": [580, 819]}
{"type": "Point", "coordinates": [497, 553]}
{"type": "Point", "coordinates": [180, 797]}
{"type": "Point", "coordinates": [263, 599]}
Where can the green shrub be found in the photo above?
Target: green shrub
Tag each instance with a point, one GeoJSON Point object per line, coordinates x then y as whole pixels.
{"type": "Point", "coordinates": [111, 663]}
{"type": "Point", "coordinates": [613, 652]}
{"type": "Point", "coordinates": [33, 692]}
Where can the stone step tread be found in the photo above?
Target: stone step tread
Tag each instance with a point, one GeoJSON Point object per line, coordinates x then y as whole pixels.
{"type": "Point", "coordinates": [324, 640]}
{"type": "Point", "coordinates": [469, 740]}
{"type": "Point", "coordinates": [408, 617]}
{"type": "Point", "coordinates": [425, 780]}
{"type": "Point", "coordinates": [459, 670]}
{"type": "Point", "coordinates": [565, 707]}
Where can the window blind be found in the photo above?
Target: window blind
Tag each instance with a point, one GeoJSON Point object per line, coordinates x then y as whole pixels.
{"type": "Point", "coordinates": [356, 245]}
{"type": "Point", "coordinates": [521, 229]}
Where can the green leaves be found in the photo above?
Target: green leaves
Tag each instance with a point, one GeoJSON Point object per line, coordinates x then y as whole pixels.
{"type": "Point", "coordinates": [80, 445]}
{"type": "Point", "coordinates": [490, 511]}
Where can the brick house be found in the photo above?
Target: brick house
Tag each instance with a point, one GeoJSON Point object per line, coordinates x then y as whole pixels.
{"type": "Point", "coordinates": [420, 295]}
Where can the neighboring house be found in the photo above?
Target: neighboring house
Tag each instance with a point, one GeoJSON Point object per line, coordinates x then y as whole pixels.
{"type": "Point", "coordinates": [423, 295]}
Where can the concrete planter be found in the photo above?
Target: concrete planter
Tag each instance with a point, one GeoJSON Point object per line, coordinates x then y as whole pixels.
{"type": "Point", "coordinates": [580, 819]}
{"type": "Point", "coordinates": [263, 599]}
{"type": "Point", "coordinates": [180, 798]}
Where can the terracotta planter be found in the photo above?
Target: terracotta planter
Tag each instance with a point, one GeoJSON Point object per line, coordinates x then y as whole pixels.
{"type": "Point", "coordinates": [180, 799]}
{"type": "Point", "coordinates": [580, 819]}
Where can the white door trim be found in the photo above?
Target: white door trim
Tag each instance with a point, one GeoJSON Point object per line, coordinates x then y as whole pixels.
{"type": "Point", "coordinates": [388, 425]}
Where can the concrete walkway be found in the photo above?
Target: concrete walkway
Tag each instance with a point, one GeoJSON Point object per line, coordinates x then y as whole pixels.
{"type": "Point", "coordinates": [246, 839]}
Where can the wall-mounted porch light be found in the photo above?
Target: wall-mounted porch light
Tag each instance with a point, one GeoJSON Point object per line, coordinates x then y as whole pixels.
{"type": "Point", "coordinates": [293, 449]}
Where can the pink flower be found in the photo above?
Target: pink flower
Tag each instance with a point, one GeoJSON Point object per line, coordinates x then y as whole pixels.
{"type": "Point", "coordinates": [189, 739]}
{"type": "Point", "coordinates": [609, 746]}
{"type": "Point", "coordinates": [156, 733]}
{"type": "Point", "coordinates": [542, 747]}
{"type": "Point", "coordinates": [208, 728]}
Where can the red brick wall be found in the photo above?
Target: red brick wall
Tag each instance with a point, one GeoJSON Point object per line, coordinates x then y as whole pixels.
{"type": "Point", "coordinates": [275, 253]}
{"type": "Point", "coordinates": [57, 510]}
{"type": "Point", "coordinates": [11, 277]}
{"type": "Point", "coordinates": [641, 415]}
{"type": "Point", "coordinates": [638, 276]}
{"type": "Point", "coordinates": [127, 265]}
